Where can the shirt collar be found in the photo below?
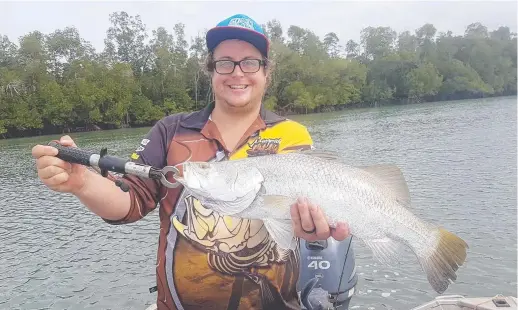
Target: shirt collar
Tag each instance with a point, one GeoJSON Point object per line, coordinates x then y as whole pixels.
{"type": "Point", "coordinates": [198, 119]}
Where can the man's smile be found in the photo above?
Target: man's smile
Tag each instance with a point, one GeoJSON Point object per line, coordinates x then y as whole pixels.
{"type": "Point", "coordinates": [238, 86]}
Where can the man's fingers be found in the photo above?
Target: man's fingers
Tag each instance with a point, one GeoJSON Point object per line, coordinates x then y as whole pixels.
{"type": "Point", "coordinates": [57, 179]}
{"type": "Point", "coordinates": [67, 141]}
{"type": "Point", "coordinates": [306, 220]}
{"type": "Point", "coordinates": [296, 221]}
{"type": "Point", "coordinates": [341, 232]}
{"type": "Point", "coordinates": [50, 171]}
{"type": "Point", "coordinates": [306, 216]}
{"type": "Point", "coordinates": [43, 150]}
{"type": "Point", "coordinates": [47, 161]}
{"type": "Point", "coordinates": [320, 222]}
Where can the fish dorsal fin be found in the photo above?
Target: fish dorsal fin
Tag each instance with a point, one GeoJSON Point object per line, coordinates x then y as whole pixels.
{"type": "Point", "coordinates": [329, 155]}
{"type": "Point", "coordinates": [392, 177]}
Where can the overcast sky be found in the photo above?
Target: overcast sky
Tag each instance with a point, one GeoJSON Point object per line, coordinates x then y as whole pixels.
{"type": "Point", "coordinates": [344, 18]}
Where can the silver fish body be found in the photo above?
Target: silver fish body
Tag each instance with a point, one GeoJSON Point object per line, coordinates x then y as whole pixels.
{"type": "Point", "coordinates": [374, 201]}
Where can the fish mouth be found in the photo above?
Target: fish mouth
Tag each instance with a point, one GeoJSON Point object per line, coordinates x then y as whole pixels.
{"type": "Point", "coordinates": [180, 174]}
{"type": "Point", "coordinates": [189, 176]}
{"type": "Point", "coordinates": [179, 179]}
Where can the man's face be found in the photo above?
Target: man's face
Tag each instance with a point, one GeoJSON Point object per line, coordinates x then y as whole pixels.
{"type": "Point", "coordinates": [238, 90]}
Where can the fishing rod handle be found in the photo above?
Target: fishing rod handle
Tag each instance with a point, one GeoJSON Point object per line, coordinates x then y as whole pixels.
{"type": "Point", "coordinates": [75, 155]}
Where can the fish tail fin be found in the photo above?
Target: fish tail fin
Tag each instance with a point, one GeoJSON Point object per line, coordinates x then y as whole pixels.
{"type": "Point", "coordinates": [442, 261]}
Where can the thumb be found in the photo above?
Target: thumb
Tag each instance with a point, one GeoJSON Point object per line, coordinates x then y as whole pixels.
{"type": "Point", "coordinates": [67, 141]}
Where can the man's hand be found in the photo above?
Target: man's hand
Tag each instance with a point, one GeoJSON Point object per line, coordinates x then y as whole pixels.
{"type": "Point", "coordinates": [310, 223]}
{"type": "Point", "coordinates": [57, 174]}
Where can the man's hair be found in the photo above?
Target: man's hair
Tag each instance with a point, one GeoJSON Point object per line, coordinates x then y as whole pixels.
{"type": "Point", "coordinates": [269, 65]}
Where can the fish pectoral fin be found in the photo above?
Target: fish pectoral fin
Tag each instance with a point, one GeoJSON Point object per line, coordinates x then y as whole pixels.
{"type": "Point", "coordinates": [277, 201]}
{"type": "Point", "coordinates": [392, 177]}
{"type": "Point", "coordinates": [386, 250]}
{"type": "Point", "coordinates": [281, 231]}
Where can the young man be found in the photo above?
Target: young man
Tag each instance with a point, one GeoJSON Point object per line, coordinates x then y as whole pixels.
{"type": "Point", "coordinates": [208, 261]}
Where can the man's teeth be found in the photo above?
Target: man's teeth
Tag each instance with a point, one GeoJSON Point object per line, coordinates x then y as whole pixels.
{"type": "Point", "coordinates": [238, 86]}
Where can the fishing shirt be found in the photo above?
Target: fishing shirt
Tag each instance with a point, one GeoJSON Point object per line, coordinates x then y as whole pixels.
{"type": "Point", "coordinates": [206, 260]}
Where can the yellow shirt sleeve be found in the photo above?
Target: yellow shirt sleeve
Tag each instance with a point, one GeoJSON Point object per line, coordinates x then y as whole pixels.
{"type": "Point", "coordinates": [282, 137]}
{"type": "Point", "coordinates": [295, 136]}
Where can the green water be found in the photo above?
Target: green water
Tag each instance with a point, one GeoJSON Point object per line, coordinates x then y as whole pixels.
{"type": "Point", "coordinates": [459, 159]}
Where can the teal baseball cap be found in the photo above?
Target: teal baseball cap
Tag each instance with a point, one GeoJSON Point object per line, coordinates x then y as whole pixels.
{"type": "Point", "coordinates": [239, 27]}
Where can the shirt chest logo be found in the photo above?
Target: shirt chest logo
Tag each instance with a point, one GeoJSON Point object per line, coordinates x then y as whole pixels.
{"type": "Point", "coordinates": [260, 146]}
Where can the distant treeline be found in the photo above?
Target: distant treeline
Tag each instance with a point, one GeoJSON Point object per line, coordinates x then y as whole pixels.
{"type": "Point", "coordinates": [57, 82]}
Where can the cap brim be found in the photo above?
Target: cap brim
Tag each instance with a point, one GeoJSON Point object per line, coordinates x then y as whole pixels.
{"type": "Point", "coordinates": [219, 34]}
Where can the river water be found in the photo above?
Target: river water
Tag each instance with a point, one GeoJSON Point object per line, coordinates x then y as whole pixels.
{"type": "Point", "coordinates": [459, 159]}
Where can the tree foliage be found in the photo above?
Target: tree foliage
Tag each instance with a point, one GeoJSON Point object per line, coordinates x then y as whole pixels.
{"type": "Point", "coordinates": [58, 82]}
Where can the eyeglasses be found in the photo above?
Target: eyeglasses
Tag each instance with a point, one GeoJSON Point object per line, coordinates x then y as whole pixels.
{"type": "Point", "coordinates": [246, 65]}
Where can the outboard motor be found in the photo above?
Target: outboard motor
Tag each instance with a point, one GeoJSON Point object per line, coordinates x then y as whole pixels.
{"type": "Point", "coordinates": [327, 274]}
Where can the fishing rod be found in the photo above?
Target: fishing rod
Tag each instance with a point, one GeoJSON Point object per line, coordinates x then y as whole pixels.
{"type": "Point", "coordinates": [106, 163]}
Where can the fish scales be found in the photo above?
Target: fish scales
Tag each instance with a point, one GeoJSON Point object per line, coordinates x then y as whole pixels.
{"type": "Point", "coordinates": [337, 192]}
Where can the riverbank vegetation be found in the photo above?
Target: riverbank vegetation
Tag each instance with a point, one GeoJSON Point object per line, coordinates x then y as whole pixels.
{"type": "Point", "coordinates": [57, 82]}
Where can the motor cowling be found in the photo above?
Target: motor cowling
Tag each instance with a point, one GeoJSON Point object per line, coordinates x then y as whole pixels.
{"type": "Point", "coordinates": [327, 274]}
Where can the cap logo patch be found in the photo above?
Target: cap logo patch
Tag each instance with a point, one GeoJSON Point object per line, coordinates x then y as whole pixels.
{"type": "Point", "coordinates": [241, 22]}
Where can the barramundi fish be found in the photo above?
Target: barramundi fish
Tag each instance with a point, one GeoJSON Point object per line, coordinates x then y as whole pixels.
{"type": "Point", "coordinates": [374, 201]}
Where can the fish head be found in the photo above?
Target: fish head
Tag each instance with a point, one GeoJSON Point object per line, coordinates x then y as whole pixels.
{"type": "Point", "coordinates": [201, 178]}
{"type": "Point", "coordinates": [221, 186]}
